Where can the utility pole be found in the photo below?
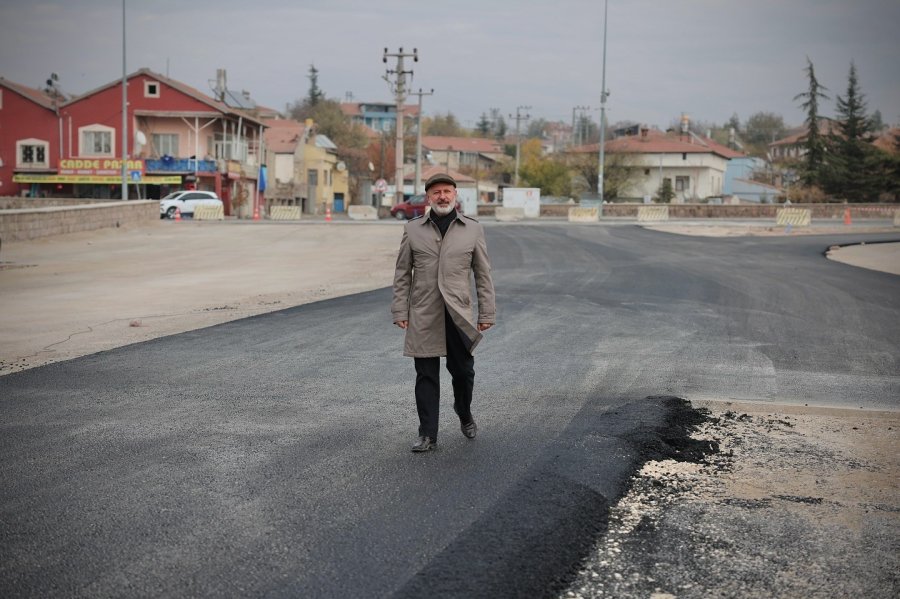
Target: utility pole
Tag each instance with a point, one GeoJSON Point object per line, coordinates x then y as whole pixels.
{"type": "Point", "coordinates": [576, 137]}
{"type": "Point", "coordinates": [399, 89]}
{"type": "Point", "coordinates": [603, 95]}
{"type": "Point", "coordinates": [124, 113]}
{"type": "Point", "coordinates": [519, 117]}
{"type": "Point", "coordinates": [418, 181]}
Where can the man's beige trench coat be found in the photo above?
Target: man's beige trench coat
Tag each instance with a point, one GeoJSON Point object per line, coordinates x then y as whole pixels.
{"type": "Point", "coordinates": [433, 272]}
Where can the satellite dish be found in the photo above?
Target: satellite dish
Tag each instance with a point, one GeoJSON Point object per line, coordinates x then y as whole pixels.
{"type": "Point", "coordinates": [371, 167]}
{"type": "Point", "coordinates": [341, 166]}
{"type": "Point", "coordinates": [140, 138]}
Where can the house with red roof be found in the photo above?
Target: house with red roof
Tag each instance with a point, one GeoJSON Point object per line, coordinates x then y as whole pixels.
{"type": "Point", "coordinates": [469, 154]}
{"type": "Point", "coordinates": [177, 137]}
{"type": "Point", "coordinates": [304, 168]}
{"type": "Point", "coordinates": [694, 165]}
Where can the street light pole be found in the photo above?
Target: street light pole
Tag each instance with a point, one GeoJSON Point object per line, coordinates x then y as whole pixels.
{"type": "Point", "coordinates": [124, 113]}
{"type": "Point", "coordinates": [603, 96]}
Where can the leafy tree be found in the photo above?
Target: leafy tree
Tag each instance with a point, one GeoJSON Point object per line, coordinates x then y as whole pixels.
{"type": "Point", "coordinates": [536, 128]}
{"type": "Point", "coordinates": [619, 172]}
{"type": "Point", "coordinates": [851, 154]}
{"type": "Point", "coordinates": [761, 129]}
{"type": "Point", "coordinates": [444, 125]}
{"type": "Point", "coordinates": [733, 123]}
{"type": "Point", "coordinates": [812, 169]}
{"type": "Point", "coordinates": [550, 174]}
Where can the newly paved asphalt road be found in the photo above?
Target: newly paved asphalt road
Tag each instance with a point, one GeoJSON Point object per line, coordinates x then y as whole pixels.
{"type": "Point", "coordinates": [270, 456]}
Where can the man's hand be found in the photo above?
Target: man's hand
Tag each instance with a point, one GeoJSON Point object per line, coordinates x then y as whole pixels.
{"type": "Point", "coordinates": [402, 324]}
{"type": "Point", "coordinates": [483, 326]}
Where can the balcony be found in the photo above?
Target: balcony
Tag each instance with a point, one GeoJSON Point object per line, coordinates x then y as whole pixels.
{"type": "Point", "coordinates": [168, 164]}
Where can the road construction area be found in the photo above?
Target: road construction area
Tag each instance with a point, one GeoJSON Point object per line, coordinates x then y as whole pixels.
{"type": "Point", "coordinates": [799, 498]}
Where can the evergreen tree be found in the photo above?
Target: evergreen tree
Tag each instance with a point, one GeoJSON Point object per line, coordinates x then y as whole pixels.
{"type": "Point", "coordinates": [811, 170]}
{"type": "Point", "coordinates": [851, 153]}
{"type": "Point", "coordinates": [315, 94]}
{"type": "Point", "coordinates": [484, 125]}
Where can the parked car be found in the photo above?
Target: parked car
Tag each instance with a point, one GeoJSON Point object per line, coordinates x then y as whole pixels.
{"type": "Point", "coordinates": [413, 207]}
{"type": "Point", "coordinates": [185, 200]}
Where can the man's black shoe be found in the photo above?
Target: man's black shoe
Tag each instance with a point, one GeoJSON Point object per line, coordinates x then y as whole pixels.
{"type": "Point", "coordinates": [424, 444]}
{"type": "Point", "coordinates": [469, 429]}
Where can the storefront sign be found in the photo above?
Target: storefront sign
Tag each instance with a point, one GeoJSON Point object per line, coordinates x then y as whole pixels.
{"type": "Point", "coordinates": [97, 166]}
{"type": "Point", "coordinates": [112, 180]}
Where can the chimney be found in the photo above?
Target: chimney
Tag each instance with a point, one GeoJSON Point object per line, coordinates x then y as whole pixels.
{"type": "Point", "coordinates": [644, 130]}
{"type": "Point", "coordinates": [685, 124]}
{"type": "Point", "coordinates": [221, 85]}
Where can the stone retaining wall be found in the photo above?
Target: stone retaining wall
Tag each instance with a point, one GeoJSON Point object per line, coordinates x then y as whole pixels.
{"type": "Point", "coordinates": [33, 222]}
{"type": "Point", "coordinates": [676, 211]}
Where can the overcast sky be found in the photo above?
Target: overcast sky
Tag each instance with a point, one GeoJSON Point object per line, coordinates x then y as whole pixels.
{"type": "Point", "coordinates": [707, 58]}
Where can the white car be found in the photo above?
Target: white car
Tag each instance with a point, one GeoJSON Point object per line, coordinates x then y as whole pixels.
{"type": "Point", "coordinates": [185, 200]}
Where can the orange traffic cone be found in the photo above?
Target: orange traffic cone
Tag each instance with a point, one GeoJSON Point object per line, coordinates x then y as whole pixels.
{"type": "Point", "coordinates": [256, 212]}
{"type": "Point", "coordinates": [847, 219]}
{"type": "Point", "coordinates": [327, 214]}
{"type": "Point", "coordinates": [178, 214]}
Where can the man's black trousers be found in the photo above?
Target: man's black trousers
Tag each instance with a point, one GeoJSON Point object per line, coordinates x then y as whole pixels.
{"type": "Point", "coordinates": [461, 366]}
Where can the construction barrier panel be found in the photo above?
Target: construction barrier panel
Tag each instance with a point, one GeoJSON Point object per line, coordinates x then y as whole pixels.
{"type": "Point", "coordinates": [362, 213]}
{"type": "Point", "coordinates": [284, 212]}
{"type": "Point", "coordinates": [204, 212]}
{"type": "Point", "coordinates": [652, 213]}
{"type": "Point", "coordinates": [584, 215]}
{"type": "Point", "coordinates": [796, 217]}
{"type": "Point", "coordinates": [505, 214]}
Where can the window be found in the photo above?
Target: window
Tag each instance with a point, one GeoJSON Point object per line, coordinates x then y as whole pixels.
{"type": "Point", "coordinates": [232, 149]}
{"type": "Point", "coordinates": [165, 144]}
{"type": "Point", "coordinates": [32, 153]}
{"type": "Point", "coordinates": [312, 177]}
{"type": "Point", "coordinates": [97, 140]}
{"type": "Point", "coordinates": [151, 89]}
{"type": "Point", "coordinates": [682, 183]}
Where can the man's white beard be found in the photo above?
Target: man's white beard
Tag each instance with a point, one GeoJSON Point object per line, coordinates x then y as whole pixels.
{"type": "Point", "coordinates": [442, 210]}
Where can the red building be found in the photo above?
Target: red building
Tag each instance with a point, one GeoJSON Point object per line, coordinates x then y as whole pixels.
{"type": "Point", "coordinates": [30, 135]}
{"type": "Point", "coordinates": [177, 137]}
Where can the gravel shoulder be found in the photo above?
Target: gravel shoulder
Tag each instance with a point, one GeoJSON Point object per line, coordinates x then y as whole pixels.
{"type": "Point", "coordinates": [799, 501]}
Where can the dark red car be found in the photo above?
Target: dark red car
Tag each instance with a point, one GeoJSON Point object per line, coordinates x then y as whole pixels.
{"type": "Point", "coordinates": [413, 207]}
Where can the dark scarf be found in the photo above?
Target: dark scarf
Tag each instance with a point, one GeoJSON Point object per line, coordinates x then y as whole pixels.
{"type": "Point", "coordinates": [443, 222]}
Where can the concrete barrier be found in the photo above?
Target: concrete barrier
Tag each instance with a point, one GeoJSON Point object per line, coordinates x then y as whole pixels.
{"type": "Point", "coordinates": [584, 215]}
{"type": "Point", "coordinates": [32, 223]}
{"type": "Point", "coordinates": [652, 213]}
{"type": "Point", "coordinates": [209, 212]}
{"type": "Point", "coordinates": [362, 212]}
{"type": "Point", "coordinates": [503, 214]}
{"type": "Point", "coordinates": [796, 217]}
{"type": "Point", "coordinates": [284, 212]}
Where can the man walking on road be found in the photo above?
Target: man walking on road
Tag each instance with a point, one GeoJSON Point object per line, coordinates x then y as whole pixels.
{"type": "Point", "coordinates": [432, 302]}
